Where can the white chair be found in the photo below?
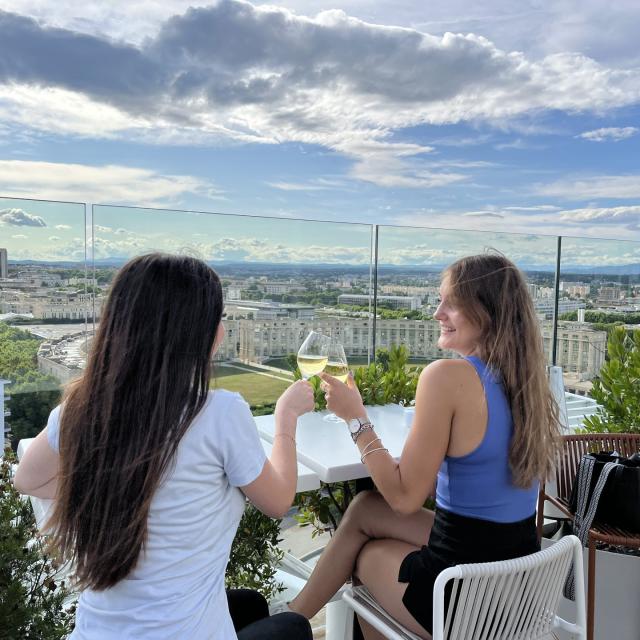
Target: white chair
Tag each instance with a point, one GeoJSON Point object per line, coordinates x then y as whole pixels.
{"type": "Point", "coordinates": [509, 600]}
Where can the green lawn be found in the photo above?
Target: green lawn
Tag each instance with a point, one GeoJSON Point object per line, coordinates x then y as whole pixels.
{"type": "Point", "coordinates": [254, 387]}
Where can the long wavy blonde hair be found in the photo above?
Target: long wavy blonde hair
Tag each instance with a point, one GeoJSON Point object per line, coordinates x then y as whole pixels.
{"type": "Point", "coordinates": [492, 293]}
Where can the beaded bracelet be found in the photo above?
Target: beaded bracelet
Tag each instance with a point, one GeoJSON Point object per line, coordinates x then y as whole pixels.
{"type": "Point", "coordinates": [373, 451]}
{"type": "Point", "coordinates": [370, 443]}
{"type": "Point", "coordinates": [285, 435]}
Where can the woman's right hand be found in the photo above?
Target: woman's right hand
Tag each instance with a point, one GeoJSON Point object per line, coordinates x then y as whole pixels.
{"type": "Point", "coordinates": [296, 400]}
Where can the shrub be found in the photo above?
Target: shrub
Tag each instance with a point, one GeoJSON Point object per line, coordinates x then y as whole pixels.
{"type": "Point", "coordinates": [617, 387]}
{"type": "Point", "coordinates": [32, 594]}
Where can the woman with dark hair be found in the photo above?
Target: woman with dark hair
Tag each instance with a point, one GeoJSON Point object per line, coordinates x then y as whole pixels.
{"type": "Point", "coordinates": [485, 428]}
{"type": "Point", "coordinates": [149, 468]}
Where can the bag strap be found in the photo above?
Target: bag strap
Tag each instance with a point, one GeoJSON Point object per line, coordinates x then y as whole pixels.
{"type": "Point", "coordinates": [587, 507]}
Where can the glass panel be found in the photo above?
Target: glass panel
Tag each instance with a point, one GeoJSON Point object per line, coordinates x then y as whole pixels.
{"type": "Point", "coordinates": [281, 278]}
{"type": "Point", "coordinates": [601, 278]}
{"type": "Point", "coordinates": [45, 298]}
{"type": "Point", "coordinates": [410, 263]}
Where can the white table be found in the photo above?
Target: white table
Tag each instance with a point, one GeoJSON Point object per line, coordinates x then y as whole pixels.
{"type": "Point", "coordinates": [326, 447]}
{"type": "Point", "coordinates": [307, 481]}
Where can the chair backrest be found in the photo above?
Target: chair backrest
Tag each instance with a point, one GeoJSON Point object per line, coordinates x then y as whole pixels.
{"type": "Point", "coordinates": [575, 446]}
{"type": "Point", "coordinates": [509, 600]}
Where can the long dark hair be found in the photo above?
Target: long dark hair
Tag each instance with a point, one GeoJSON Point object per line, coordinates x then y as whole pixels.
{"type": "Point", "coordinates": [146, 379]}
{"type": "Point", "coordinates": [492, 292]}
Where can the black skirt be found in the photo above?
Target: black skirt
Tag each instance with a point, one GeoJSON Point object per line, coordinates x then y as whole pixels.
{"type": "Point", "coordinates": [457, 539]}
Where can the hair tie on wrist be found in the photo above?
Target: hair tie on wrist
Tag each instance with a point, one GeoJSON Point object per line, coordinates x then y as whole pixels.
{"type": "Point", "coordinates": [373, 451]}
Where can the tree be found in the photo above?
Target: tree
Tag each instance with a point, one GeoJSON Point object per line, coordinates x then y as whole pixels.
{"type": "Point", "coordinates": [30, 404]}
{"type": "Point", "coordinates": [32, 595]}
{"type": "Point", "coordinates": [617, 387]}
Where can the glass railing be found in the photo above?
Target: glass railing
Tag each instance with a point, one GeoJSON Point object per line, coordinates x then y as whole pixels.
{"type": "Point", "coordinates": [281, 277]}
{"type": "Point", "coordinates": [45, 305]}
{"type": "Point", "coordinates": [410, 262]}
{"type": "Point", "coordinates": [370, 287]}
{"type": "Point", "coordinates": [599, 284]}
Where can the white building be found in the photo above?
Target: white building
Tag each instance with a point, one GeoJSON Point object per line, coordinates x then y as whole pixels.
{"type": "Point", "coordinates": [3, 413]}
{"type": "Point", "coordinates": [544, 306]}
{"type": "Point", "coordinates": [4, 264]}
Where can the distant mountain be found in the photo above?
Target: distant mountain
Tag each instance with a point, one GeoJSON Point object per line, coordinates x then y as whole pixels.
{"type": "Point", "coordinates": [279, 267]}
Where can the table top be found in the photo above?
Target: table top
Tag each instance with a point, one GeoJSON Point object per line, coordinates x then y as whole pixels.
{"type": "Point", "coordinates": [327, 448]}
{"type": "Point", "coordinates": [307, 479]}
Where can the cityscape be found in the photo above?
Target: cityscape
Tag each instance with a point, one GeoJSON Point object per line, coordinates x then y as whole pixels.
{"type": "Point", "coordinates": [271, 306]}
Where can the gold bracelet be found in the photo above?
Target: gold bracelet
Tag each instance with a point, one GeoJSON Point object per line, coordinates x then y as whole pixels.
{"type": "Point", "coordinates": [373, 451]}
{"type": "Point", "coordinates": [370, 443]}
{"type": "Point", "coordinates": [285, 435]}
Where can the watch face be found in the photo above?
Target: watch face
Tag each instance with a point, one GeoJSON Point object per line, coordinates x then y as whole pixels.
{"type": "Point", "coordinates": [354, 425]}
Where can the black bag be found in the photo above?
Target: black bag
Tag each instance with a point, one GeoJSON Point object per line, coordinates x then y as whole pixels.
{"type": "Point", "coordinates": [619, 501]}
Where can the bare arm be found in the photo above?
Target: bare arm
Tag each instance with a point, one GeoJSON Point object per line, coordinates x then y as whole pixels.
{"type": "Point", "coordinates": [274, 489]}
{"type": "Point", "coordinates": [37, 473]}
{"type": "Point", "coordinates": [406, 484]}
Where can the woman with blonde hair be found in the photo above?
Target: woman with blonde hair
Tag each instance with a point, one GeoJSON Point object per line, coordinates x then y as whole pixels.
{"type": "Point", "coordinates": [150, 470]}
{"type": "Point", "coordinates": [483, 436]}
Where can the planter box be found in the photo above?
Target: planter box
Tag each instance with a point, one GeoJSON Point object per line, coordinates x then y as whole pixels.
{"type": "Point", "coordinates": [617, 615]}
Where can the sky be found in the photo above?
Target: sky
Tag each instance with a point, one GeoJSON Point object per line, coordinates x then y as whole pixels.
{"type": "Point", "coordinates": [491, 117]}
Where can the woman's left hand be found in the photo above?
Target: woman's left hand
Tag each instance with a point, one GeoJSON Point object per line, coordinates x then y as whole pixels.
{"type": "Point", "coordinates": [343, 399]}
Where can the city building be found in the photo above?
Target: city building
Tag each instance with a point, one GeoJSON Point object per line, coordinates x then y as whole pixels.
{"type": "Point", "coordinates": [611, 293]}
{"type": "Point", "coordinates": [4, 264]}
{"type": "Point", "coordinates": [3, 414]}
{"type": "Point", "coordinates": [544, 306]}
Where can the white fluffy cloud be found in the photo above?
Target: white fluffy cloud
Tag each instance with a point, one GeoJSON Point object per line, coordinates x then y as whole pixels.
{"type": "Point", "coordinates": [233, 71]}
{"type": "Point", "coordinates": [83, 183]}
{"type": "Point", "coordinates": [615, 187]}
{"type": "Point", "coordinates": [609, 134]}
{"type": "Point", "coordinates": [20, 218]}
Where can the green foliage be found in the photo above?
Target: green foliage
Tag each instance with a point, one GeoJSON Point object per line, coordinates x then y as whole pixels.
{"type": "Point", "coordinates": [255, 554]}
{"type": "Point", "coordinates": [617, 387]}
{"type": "Point", "coordinates": [388, 380]}
{"type": "Point", "coordinates": [18, 352]}
{"type": "Point", "coordinates": [32, 394]}
{"type": "Point", "coordinates": [387, 313]}
{"type": "Point", "coordinates": [603, 317]}
{"type": "Point", "coordinates": [32, 595]}
{"type": "Point", "coordinates": [30, 404]}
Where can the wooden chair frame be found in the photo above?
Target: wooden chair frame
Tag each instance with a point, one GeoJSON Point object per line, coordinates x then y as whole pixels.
{"type": "Point", "coordinates": [567, 463]}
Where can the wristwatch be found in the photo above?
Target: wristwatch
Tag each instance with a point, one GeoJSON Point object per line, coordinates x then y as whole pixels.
{"type": "Point", "coordinates": [357, 426]}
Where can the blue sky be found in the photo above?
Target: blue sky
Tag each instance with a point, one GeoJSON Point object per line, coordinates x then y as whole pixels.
{"type": "Point", "coordinates": [505, 117]}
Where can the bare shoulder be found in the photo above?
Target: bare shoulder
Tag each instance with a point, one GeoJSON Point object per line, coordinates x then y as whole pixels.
{"type": "Point", "coordinates": [448, 373]}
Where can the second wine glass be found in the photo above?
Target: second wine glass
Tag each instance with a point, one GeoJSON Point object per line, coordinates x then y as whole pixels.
{"type": "Point", "coordinates": [338, 367]}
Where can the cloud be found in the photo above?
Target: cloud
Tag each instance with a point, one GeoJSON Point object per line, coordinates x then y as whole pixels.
{"type": "Point", "coordinates": [237, 72]}
{"type": "Point", "coordinates": [609, 134]}
{"type": "Point", "coordinates": [627, 216]}
{"type": "Point", "coordinates": [296, 186]}
{"type": "Point", "coordinates": [54, 238]}
{"type": "Point", "coordinates": [108, 183]}
{"type": "Point", "coordinates": [19, 236]}
{"type": "Point", "coordinates": [615, 187]}
{"type": "Point", "coordinates": [482, 214]}
{"type": "Point", "coordinates": [20, 218]}
{"type": "Point", "coordinates": [63, 227]}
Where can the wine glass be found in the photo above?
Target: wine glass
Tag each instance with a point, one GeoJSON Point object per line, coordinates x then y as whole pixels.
{"type": "Point", "coordinates": [338, 367]}
{"type": "Point", "coordinates": [312, 355]}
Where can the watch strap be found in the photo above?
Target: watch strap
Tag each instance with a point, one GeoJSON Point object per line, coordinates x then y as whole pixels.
{"type": "Point", "coordinates": [364, 426]}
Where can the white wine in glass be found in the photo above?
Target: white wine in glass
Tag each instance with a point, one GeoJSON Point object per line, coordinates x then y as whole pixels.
{"type": "Point", "coordinates": [338, 367]}
{"type": "Point", "coordinates": [337, 370]}
{"type": "Point", "coordinates": [312, 355]}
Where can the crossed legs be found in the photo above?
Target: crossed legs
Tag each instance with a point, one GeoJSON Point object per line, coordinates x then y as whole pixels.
{"type": "Point", "coordinates": [370, 543]}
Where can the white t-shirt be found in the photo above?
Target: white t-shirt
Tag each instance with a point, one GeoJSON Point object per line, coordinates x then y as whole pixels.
{"type": "Point", "coordinates": [176, 590]}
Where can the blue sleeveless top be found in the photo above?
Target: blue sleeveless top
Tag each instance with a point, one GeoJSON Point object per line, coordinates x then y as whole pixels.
{"type": "Point", "coordinates": [479, 484]}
